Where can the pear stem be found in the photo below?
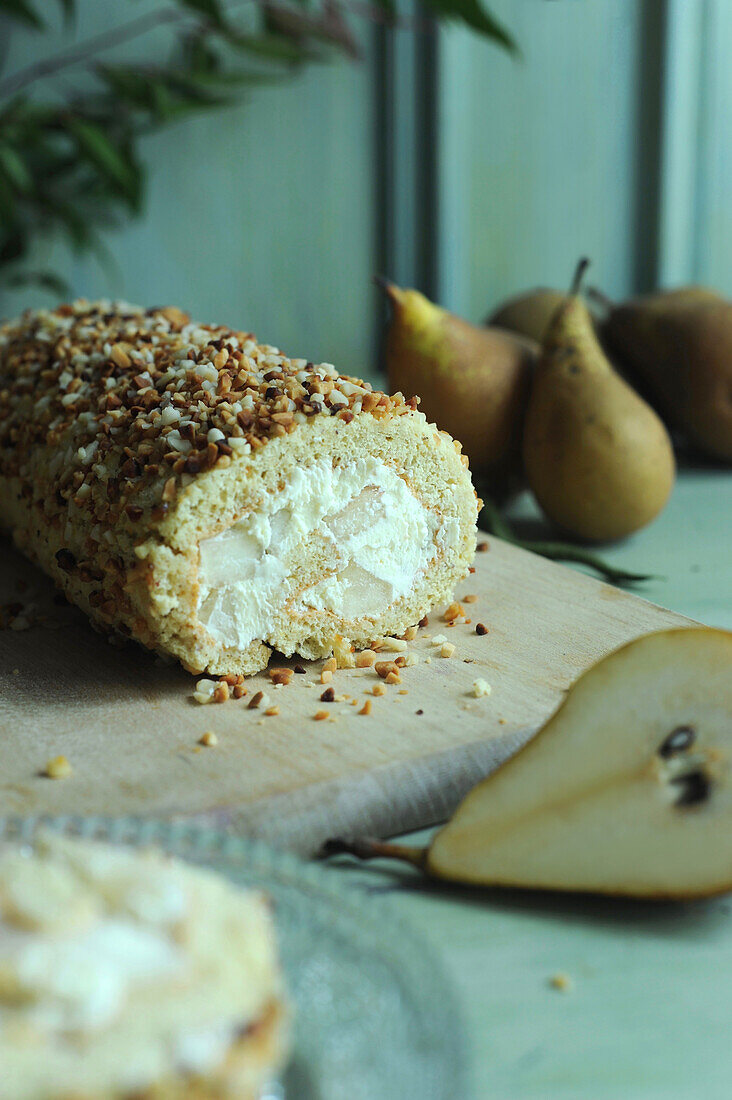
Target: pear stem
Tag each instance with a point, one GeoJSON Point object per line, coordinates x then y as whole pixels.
{"type": "Point", "coordinates": [494, 522]}
{"type": "Point", "coordinates": [382, 282]}
{"type": "Point", "coordinates": [579, 275]}
{"type": "Point", "coordinates": [365, 848]}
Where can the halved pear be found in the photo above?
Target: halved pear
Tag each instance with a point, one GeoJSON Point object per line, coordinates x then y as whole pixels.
{"type": "Point", "coordinates": [626, 789]}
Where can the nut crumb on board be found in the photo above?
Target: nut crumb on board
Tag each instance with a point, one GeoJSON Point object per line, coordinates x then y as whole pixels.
{"type": "Point", "coordinates": [561, 982]}
{"type": "Point", "coordinates": [481, 688]}
{"type": "Point", "coordinates": [58, 767]}
{"type": "Point", "coordinates": [208, 738]}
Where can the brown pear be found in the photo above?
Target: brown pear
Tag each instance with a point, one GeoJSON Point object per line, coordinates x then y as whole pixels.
{"type": "Point", "coordinates": [528, 314]}
{"type": "Point", "coordinates": [472, 382]}
{"type": "Point", "coordinates": [597, 457]}
{"type": "Point", "coordinates": [679, 344]}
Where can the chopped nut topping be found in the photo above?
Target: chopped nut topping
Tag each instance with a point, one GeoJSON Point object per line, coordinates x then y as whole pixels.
{"type": "Point", "coordinates": [394, 645]}
{"type": "Point", "coordinates": [424, 621]}
{"type": "Point", "coordinates": [481, 629]}
{"type": "Point", "coordinates": [453, 612]}
{"type": "Point", "coordinates": [326, 676]}
{"type": "Point", "coordinates": [320, 715]}
{"type": "Point", "coordinates": [328, 695]}
{"type": "Point", "coordinates": [393, 678]}
{"type": "Point", "coordinates": [208, 738]}
{"type": "Point", "coordinates": [480, 688]}
{"type": "Point", "coordinates": [410, 634]}
{"type": "Point", "coordinates": [384, 668]}
{"type": "Point", "coordinates": [330, 665]}
{"type": "Point", "coordinates": [378, 689]}
{"type": "Point", "coordinates": [470, 599]}
{"type": "Point", "coordinates": [365, 658]}
{"type": "Point", "coordinates": [272, 712]}
{"type": "Point", "coordinates": [58, 767]}
{"type": "Point", "coordinates": [239, 691]}
{"type": "Point", "coordinates": [366, 708]}
{"type": "Point", "coordinates": [447, 650]}
{"type": "Point", "coordinates": [439, 639]}
{"type": "Point", "coordinates": [482, 547]}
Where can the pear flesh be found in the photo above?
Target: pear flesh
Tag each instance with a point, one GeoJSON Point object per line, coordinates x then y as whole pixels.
{"type": "Point", "coordinates": [627, 788]}
{"type": "Point", "coordinates": [472, 382]}
{"type": "Point", "coordinates": [679, 344]}
{"type": "Point", "coordinates": [597, 457]}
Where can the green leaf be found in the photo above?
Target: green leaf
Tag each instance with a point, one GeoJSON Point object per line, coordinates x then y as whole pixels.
{"type": "Point", "coordinates": [23, 12]}
{"type": "Point", "coordinates": [472, 13]}
{"type": "Point", "coordinates": [15, 169]}
{"type": "Point", "coordinates": [111, 163]}
{"type": "Point", "coordinates": [493, 521]}
{"type": "Point", "coordinates": [47, 280]}
{"type": "Point", "coordinates": [211, 9]}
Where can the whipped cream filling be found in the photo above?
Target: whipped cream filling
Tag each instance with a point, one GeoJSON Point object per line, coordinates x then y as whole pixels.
{"type": "Point", "coordinates": [373, 536]}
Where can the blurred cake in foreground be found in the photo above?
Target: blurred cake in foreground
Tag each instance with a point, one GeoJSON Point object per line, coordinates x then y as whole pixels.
{"type": "Point", "coordinates": [124, 973]}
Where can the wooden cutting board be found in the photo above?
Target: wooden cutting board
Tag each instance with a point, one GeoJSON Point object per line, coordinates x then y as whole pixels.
{"type": "Point", "coordinates": [130, 728]}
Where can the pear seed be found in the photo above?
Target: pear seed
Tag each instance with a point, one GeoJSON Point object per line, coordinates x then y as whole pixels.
{"type": "Point", "coordinates": [679, 740]}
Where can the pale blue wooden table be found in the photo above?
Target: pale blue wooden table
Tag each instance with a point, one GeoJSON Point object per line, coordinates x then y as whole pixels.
{"type": "Point", "coordinates": [649, 1012]}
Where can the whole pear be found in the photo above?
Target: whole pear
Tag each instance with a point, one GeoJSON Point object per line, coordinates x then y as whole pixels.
{"type": "Point", "coordinates": [528, 314]}
{"type": "Point", "coordinates": [597, 457]}
{"type": "Point", "coordinates": [679, 344]}
{"type": "Point", "coordinates": [473, 382]}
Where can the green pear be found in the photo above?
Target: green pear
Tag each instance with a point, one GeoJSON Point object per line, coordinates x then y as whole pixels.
{"type": "Point", "coordinates": [528, 314]}
{"type": "Point", "coordinates": [597, 457]}
{"type": "Point", "coordinates": [473, 382]}
{"type": "Point", "coordinates": [626, 790]}
{"type": "Point", "coordinates": [679, 344]}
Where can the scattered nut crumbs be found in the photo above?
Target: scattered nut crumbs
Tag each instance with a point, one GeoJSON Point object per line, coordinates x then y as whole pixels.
{"type": "Point", "coordinates": [447, 649]}
{"type": "Point", "coordinates": [411, 659]}
{"type": "Point", "coordinates": [403, 691]}
{"type": "Point", "coordinates": [366, 708]}
{"type": "Point", "coordinates": [439, 639]}
{"type": "Point", "coordinates": [393, 678]}
{"type": "Point", "coordinates": [395, 645]}
{"type": "Point", "coordinates": [326, 676]}
{"type": "Point", "coordinates": [424, 621]}
{"type": "Point", "coordinates": [471, 569]}
{"type": "Point", "coordinates": [208, 738]}
{"type": "Point", "coordinates": [378, 689]}
{"type": "Point", "coordinates": [365, 658]}
{"type": "Point", "coordinates": [328, 695]}
{"type": "Point", "coordinates": [299, 670]}
{"type": "Point", "coordinates": [330, 665]}
{"type": "Point", "coordinates": [482, 547]}
{"type": "Point", "coordinates": [320, 715]}
{"type": "Point", "coordinates": [260, 699]}
{"type": "Point", "coordinates": [561, 981]}
{"type": "Point", "coordinates": [385, 668]}
{"type": "Point", "coordinates": [239, 691]}
{"type": "Point", "coordinates": [419, 712]}
{"type": "Point", "coordinates": [280, 675]}
{"type": "Point", "coordinates": [481, 688]}
{"type": "Point", "coordinates": [470, 599]}
{"type": "Point", "coordinates": [343, 653]}
{"type": "Point", "coordinates": [58, 767]}
{"type": "Point", "coordinates": [481, 629]}
{"type": "Point", "coordinates": [453, 612]}
{"type": "Point", "coordinates": [272, 712]}
{"type": "Point", "coordinates": [410, 634]}
{"type": "Point", "coordinates": [220, 693]}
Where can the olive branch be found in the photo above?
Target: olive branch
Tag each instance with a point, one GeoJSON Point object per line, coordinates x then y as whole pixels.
{"type": "Point", "coordinates": [70, 124]}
